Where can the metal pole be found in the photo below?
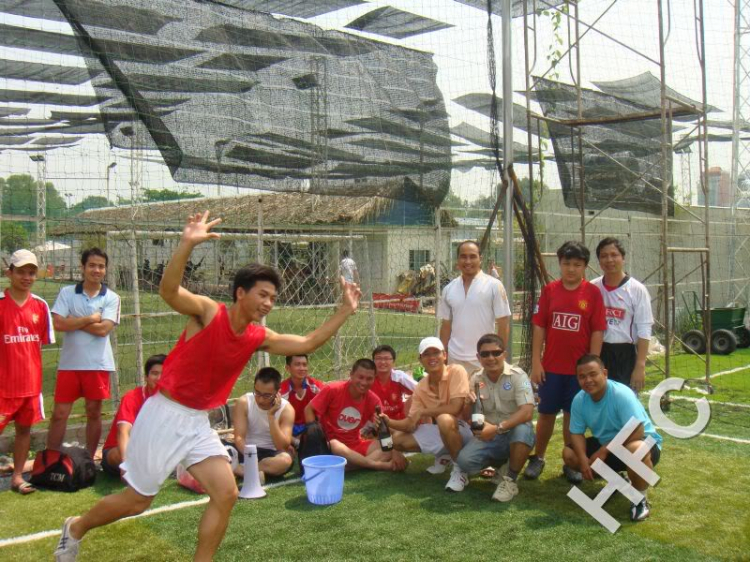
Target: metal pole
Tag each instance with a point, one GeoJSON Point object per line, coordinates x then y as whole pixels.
{"type": "Point", "coordinates": [508, 153]}
{"type": "Point", "coordinates": [438, 257]}
{"type": "Point", "coordinates": [137, 327]}
{"type": "Point", "coordinates": [114, 376]}
{"type": "Point", "coordinates": [664, 200]}
{"type": "Point", "coordinates": [263, 358]}
{"type": "Point", "coordinates": [704, 177]}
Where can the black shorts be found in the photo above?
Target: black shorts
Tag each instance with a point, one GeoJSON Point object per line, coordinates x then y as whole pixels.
{"type": "Point", "coordinates": [612, 460]}
{"type": "Point", "coordinates": [108, 468]}
{"type": "Point", "coordinates": [619, 360]}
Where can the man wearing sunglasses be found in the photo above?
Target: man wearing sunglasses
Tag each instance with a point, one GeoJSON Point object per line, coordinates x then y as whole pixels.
{"type": "Point", "coordinates": [508, 404]}
{"type": "Point", "coordinates": [264, 419]}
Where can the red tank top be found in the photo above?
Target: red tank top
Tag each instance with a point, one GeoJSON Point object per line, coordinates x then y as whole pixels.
{"type": "Point", "coordinates": [199, 373]}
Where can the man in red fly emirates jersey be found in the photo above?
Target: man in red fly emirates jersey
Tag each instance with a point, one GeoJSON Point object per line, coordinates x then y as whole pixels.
{"type": "Point", "coordinates": [299, 390]}
{"type": "Point", "coordinates": [199, 373]}
{"type": "Point", "coordinates": [391, 385]}
{"type": "Point", "coordinates": [25, 325]}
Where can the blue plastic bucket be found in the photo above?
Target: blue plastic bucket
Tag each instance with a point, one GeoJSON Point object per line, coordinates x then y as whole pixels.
{"type": "Point", "coordinates": [324, 478]}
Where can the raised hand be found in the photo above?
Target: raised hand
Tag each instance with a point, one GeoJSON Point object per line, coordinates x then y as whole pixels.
{"type": "Point", "coordinates": [351, 294]}
{"type": "Point", "coordinates": [198, 229]}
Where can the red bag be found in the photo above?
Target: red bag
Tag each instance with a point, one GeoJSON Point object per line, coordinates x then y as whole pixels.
{"type": "Point", "coordinates": [68, 470]}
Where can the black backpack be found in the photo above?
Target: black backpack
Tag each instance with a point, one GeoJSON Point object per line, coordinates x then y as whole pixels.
{"type": "Point", "coordinates": [68, 470]}
{"type": "Point", "coordinates": [312, 442]}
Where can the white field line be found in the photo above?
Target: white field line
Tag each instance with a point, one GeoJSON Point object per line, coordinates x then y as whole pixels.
{"type": "Point", "coordinates": [690, 435]}
{"type": "Point", "coordinates": [691, 399]}
{"type": "Point", "coordinates": [173, 507]}
{"type": "Point", "coordinates": [730, 371]}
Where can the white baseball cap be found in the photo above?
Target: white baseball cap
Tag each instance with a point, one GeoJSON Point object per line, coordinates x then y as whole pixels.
{"type": "Point", "coordinates": [430, 343]}
{"type": "Point", "coordinates": [23, 257]}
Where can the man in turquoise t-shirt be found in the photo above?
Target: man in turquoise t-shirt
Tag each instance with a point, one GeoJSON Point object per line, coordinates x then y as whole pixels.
{"type": "Point", "coordinates": [605, 407]}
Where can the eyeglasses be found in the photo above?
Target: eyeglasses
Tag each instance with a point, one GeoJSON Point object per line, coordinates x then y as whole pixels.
{"type": "Point", "coordinates": [265, 395]}
{"type": "Point", "coordinates": [491, 352]}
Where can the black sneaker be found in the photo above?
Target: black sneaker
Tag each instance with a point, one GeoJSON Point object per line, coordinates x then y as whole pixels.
{"type": "Point", "coordinates": [534, 468]}
{"type": "Point", "coordinates": [641, 511]}
{"type": "Point", "coordinates": [573, 476]}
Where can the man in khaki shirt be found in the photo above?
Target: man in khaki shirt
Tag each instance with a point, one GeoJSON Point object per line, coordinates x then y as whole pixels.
{"type": "Point", "coordinates": [508, 404]}
{"type": "Point", "coordinates": [437, 401]}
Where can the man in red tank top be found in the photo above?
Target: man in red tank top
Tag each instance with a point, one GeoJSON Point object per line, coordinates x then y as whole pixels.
{"type": "Point", "coordinates": [172, 427]}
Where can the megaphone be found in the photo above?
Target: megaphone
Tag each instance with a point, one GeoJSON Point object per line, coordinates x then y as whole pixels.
{"type": "Point", "coordinates": [251, 488]}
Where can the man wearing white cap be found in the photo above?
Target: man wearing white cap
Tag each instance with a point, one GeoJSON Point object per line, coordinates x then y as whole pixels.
{"type": "Point", "coordinates": [438, 402]}
{"type": "Point", "coordinates": [25, 325]}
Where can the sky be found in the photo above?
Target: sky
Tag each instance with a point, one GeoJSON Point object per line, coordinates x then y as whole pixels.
{"type": "Point", "coordinates": [460, 54]}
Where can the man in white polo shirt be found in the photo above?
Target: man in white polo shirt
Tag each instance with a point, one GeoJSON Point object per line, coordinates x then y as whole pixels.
{"type": "Point", "coordinates": [472, 305]}
{"type": "Point", "coordinates": [87, 313]}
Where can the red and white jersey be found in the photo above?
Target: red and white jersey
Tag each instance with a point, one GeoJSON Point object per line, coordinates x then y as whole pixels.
{"type": "Point", "coordinates": [341, 416]}
{"type": "Point", "coordinates": [310, 388]}
{"type": "Point", "coordinates": [392, 393]}
{"type": "Point", "coordinates": [569, 318]}
{"type": "Point", "coordinates": [628, 311]}
{"type": "Point", "coordinates": [23, 331]}
{"type": "Point", "coordinates": [130, 405]}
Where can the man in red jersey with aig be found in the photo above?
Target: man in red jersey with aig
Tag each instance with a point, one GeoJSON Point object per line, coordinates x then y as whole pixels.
{"type": "Point", "coordinates": [25, 325]}
{"type": "Point", "coordinates": [569, 322]}
{"type": "Point", "coordinates": [199, 374]}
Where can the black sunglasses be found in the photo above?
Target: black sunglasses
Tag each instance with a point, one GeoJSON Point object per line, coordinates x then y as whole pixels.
{"type": "Point", "coordinates": [492, 352]}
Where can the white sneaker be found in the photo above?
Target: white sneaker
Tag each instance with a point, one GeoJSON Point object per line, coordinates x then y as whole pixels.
{"type": "Point", "coordinates": [506, 490]}
{"type": "Point", "coordinates": [67, 547]}
{"type": "Point", "coordinates": [458, 480]}
{"type": "Point", "coordinates": [441, 464]}
{"type": "Point", "coordinates": [500, 473]}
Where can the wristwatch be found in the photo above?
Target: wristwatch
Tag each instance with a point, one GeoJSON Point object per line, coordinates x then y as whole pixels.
{"type": "Point", "coordinates": [500, 429]}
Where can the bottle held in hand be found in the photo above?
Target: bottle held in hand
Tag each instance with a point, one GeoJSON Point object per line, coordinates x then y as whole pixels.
{"type": "Point", "coordinates": [477, 412]}
{"type": "Point", "coordinates": [384, 434]}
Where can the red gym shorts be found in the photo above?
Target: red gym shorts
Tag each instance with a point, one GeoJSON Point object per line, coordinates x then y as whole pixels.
{"type": "Point", "coordinates": [72, 385]}
{"type": "Point", "coordinates": [361, 446]}
{"type": "Point", "coordinates": [24, 411]}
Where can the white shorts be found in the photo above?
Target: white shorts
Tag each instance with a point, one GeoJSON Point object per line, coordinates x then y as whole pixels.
{"type": "Point", "coordinates": [427, 436]}
{"type": "Point", "coordinates": [165, 434]}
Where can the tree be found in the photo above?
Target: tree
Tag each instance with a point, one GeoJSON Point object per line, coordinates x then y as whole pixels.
{"type": "Point", "coordinates": [19, 197]}
{"type": "Point", "coordinates": [150, 195]}
{"type": "Point", "coordinates": [156, 195]}
{"type": "Point", "coordinates": [91, 202]}
{"type": "Point", "coordinates": [14, 236]}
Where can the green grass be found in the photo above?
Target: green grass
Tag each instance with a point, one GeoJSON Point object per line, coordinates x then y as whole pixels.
{"type": "Point", "coordinates": [700, 512]}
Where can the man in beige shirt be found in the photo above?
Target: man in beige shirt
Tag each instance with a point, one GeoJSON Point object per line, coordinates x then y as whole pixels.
{"type": "Point", "coordinates": [508, 406]}
{"type": "Point", "coordinates": [438, 402]}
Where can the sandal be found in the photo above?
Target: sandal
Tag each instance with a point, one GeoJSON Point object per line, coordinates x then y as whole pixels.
{"type": "Point", "coordinates": [24, 489]}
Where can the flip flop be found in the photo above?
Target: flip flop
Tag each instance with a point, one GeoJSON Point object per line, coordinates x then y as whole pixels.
{"type": "Point", "coordinates": [24, 489]}
{"type": "Point", "coordinates": [488, 472]}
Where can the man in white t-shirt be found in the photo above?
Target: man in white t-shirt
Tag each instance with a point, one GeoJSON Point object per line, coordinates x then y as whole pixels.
{"type": "Point", "coordinates": [264, 419]}
{"type": "Point", "coordinates": [629, 318]}
{"type": "Point", "coordinates": [471, 305]}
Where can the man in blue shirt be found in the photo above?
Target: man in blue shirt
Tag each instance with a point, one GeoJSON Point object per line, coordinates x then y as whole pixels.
{"type": "Point", "coordinates": [87, 313]}
{"type": "Point", "coordinates": [605, 407]}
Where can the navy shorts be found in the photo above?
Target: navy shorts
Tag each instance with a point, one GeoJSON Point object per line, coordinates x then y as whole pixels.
{"type": "Point", "coordinates": [612, 460]}
{"type": "Point", "coordinates": [557, 392]}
